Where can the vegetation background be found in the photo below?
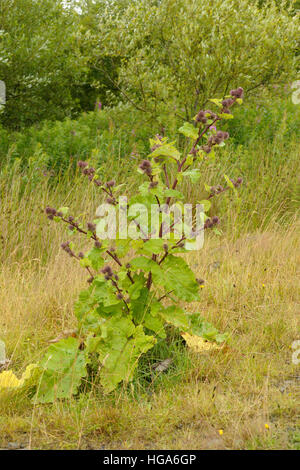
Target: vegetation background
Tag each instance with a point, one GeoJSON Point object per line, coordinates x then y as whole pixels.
{"type": "Point", "coordinates": [94, 80]}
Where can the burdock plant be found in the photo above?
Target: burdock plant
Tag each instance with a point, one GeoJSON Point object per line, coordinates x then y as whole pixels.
{"type": "Point", "coordinates": [137, 284]}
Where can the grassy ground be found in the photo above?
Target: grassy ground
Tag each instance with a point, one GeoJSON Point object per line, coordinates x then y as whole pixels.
{"type": "Point", "coordinates": [243, 396]}
{"type": "Point", "coordinates": [239, 389]}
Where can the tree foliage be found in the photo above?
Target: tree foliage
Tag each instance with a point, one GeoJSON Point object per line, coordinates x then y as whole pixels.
{"type": "Point", "coordinates": [175, 54]}
{"type": "Point", "coordinates": [58, 57]}
{"type": "Point", "coordinates": [41, 60]}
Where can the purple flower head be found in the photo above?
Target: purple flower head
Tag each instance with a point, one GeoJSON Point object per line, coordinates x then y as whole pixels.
{"type": "Point", "coordinates": [145, 166]}
{"type": "Point", "coordinates": [82, 164]}
{"type": "Point", "coordinates": [91, 227]}
{"type": "Point", "coordinates": [108, 272]}
{"type": "Point", "coordinates": [238, 93]}
{"type": "Point", "coordinates": [110, 183]}
{"type": "Point", "coordinates": [50, 211]}
{"type": "Point", "coordinates": [201, 117]}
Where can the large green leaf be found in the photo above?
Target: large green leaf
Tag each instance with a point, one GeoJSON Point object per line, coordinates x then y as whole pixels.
{"type": "Point", "coordinates": [95, 257]}
{"type": "Point", "coordinates": [155, 324]}
{"type": "Point", "coordinates": [141, 262]}
{"type": "Point", "coordinates": [154, 245]}
{"type": "Point", "coordinates": [101, 293]}
{"type": "Point", "coordinates": [143, 314]}
{"type": "Point", "coordinates": [189, 130]}
{"type": "Point", "coordinates": [175, 275]}
{"type": "Point", "coordinates": [176, 316]}
{"type": "Point", "coordinates": [139, 305]}
{"type": "Point", "coordinates": [63, 368]}
{"type": "Point", "coordinates": [119, 349]}
{"type": "Point", "coordinates": [104, 292]}
{"type": "Point", "coordinates": [135, 288]}
{"type": "Point", "coordinates": [84, 304]}
{"type": "Point", "coordinates": [166, 150]}
{"type": "Point", "coordinates": [201, 327]}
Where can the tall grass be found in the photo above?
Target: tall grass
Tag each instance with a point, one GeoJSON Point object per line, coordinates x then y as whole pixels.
{"type": "Point", "coordinates": [253, 295]}
{"type": "Point", "coordinates": [270, 193]}
{"type": "Point", "coordinates": [250, 291]}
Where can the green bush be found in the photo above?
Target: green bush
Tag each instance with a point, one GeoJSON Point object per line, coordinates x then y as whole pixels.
{"type": "Point", "coordinates": [269, 118]}
{"type": "Point", "coordinates": [123, 133]}
{"type": "Point", "coordinates": [175, 54]}
{"type": "Point", "coordinates": [41, 60]}
{"type": "Point", "coordinates": [100, 135]}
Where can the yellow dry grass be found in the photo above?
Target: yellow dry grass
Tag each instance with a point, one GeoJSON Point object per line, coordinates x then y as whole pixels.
{"type": "Point", "coordinates": [243, 396]}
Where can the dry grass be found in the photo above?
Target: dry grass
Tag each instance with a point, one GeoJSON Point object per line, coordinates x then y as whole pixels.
{"type": "Point", "coordinates": [253, 294]}
{"type": "Point", "coordinates": [251, 291]}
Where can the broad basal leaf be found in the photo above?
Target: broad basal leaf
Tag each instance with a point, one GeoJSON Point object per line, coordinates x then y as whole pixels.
{"type": "Point", "coordinates": [201, 327]}
{"type": "Point", "coordinates": [120, 350]}
{"type": "Point", "coordinates": [139, 305]}
{"type": "Point", "coordinates": [175, 316]}
{"type": "Point", "coordinates": [155, 324]}
{"type": "Point", "coordinates": [63, 367]}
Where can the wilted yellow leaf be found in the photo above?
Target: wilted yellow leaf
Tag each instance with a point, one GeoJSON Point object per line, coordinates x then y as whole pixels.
{"type": "Point", "coordinates": [8, 380]}
{"type": "Point", "coordinates": [198, 344]}
{"type": "Point", "coordinates": [29, 373]}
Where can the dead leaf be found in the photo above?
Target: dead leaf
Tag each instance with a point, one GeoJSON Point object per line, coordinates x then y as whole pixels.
{"type": "Point", "coordinates": [64, 334]}
{"type": "Point", "coordinates": [163, 365]}
{"type": "Point", "coordinates": [198, 344]}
